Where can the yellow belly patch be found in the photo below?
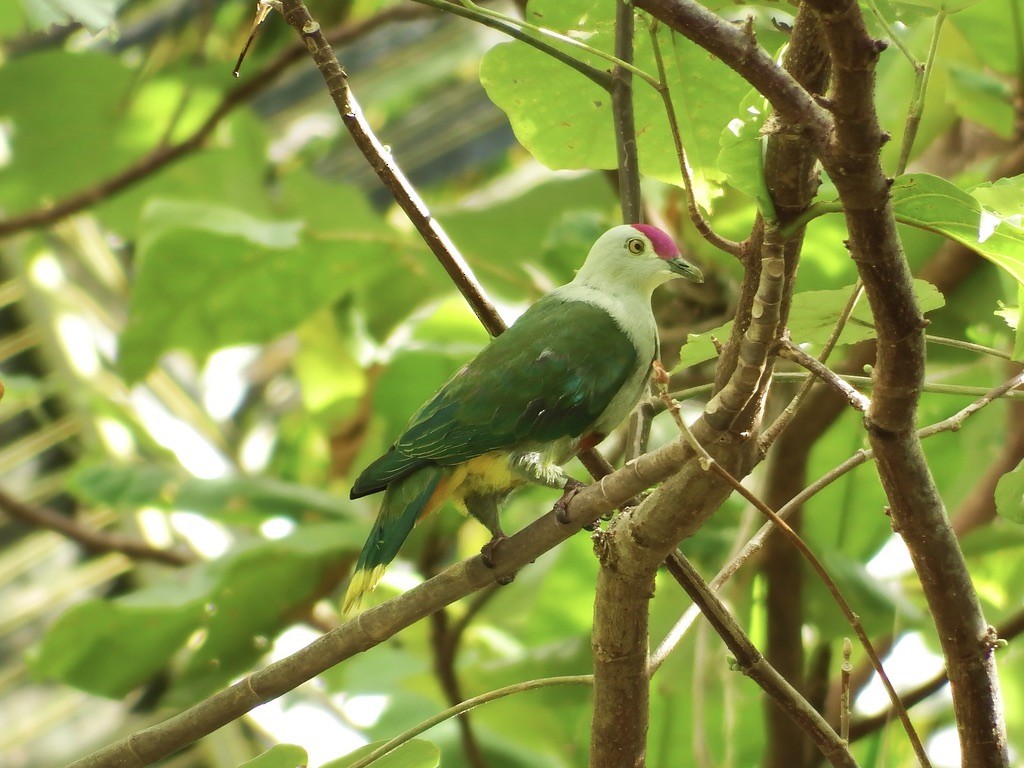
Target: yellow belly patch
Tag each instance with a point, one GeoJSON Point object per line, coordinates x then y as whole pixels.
{"type": "Point", "coordinates": [487, 475]}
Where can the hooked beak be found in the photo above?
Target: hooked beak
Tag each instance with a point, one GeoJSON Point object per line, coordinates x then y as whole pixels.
{"type": "Point", "coordinates": [683, 268]}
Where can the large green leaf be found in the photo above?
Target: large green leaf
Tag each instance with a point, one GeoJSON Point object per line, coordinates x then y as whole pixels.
{"type": "Point", "coordinates": [741, 158]}
{"type": "Point", "coordinates": [811, 320]}
{"type": "Point", "coordinates": [932, 203]}
{"type": "Point", "coordinates": [238, 603]}
{"type": "Point", "coordinates": [45, 163]}
{"type": "Point", "coordinates": [417, 753]}
{"type": "Point", "coordinates": [564, 119]}
{"type": "Point", "coordinates": [212, 276]}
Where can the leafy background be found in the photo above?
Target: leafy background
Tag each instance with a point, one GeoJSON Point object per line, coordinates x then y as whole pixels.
{"type": "Point", "coordinates": [205, 359]}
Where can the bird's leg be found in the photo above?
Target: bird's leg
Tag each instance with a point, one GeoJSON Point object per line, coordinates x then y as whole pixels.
{"type": "Point", "coordinates": [533, 467]}
{"type": "Point", "coordinates": [485, 509]}
{"type": "Point", "coordinates": [561, 508]}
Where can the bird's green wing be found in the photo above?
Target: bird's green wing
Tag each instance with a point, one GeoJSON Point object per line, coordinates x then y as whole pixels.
{"type": "Point", "coordinates": [549, 376]}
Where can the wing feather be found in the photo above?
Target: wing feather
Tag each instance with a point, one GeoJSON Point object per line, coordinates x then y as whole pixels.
{"type": "Point", "coordinates": [549, 376]}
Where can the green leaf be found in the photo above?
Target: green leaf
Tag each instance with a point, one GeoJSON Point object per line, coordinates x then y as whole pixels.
{"type": "Point", "coordinates": [741, 158]}
{"type": "Point", "coordinates": [232, 499]}
{"type": "Point", "coordinates": [1010, 495]}
{"type": "Point", "coordinates": [45, 163]}
{"type": "Point", "coordinates": [279, 756]}
{"type": "Point", "coordinates": [932, 203]}
{"type": "Point", "coordinates": [564, 119]}
{"type": "Point", "coordinates": [417, 753]}
{"type": "Point", "coordinates": [1004, 197]}
{"type": "Point", "coordinates": [811, 320]}
{"type": "Point", "coordinates": [212, 276]}
{"type": "Point", "coordinates": [231, 608]}
{"type": "Point", "coordinates": [982, 98]}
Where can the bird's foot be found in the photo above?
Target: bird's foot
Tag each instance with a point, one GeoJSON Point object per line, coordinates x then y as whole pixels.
{"type": "Point", "coordinates": [561, 509]}
{"type": "Point", "coordinates": [487, 553]}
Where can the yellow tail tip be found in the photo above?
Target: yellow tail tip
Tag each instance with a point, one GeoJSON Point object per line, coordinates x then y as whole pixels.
{"type": "Point", "coordinates": [363, 581]}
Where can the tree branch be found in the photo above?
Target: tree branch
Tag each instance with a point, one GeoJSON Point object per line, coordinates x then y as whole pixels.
{"type": "Point", "coordinates": [852, 161]}
{"type": "Point", "coordinates": [375, 625]}
{"type": "Point", "coordinates": [754, 665]}
{"type": "Point", "coordinates": [622, 112]}
{"type": "Point", "coordinates": [736, 47]}
{"type": "Point", "coordinates": [90, 538]}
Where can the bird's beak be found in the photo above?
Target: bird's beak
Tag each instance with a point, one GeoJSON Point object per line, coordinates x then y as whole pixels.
{"type": "Point", "coordinates": [683, 268]}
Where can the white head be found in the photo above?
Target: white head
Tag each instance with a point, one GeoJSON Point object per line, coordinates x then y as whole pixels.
{"type": "Point", "coordinates": [635, 257]}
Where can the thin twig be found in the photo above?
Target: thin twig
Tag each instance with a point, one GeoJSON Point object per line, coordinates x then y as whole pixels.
{"type": "Point", "coordinates": [513, 28]}
{"type": "Point", "coordinates": [387, 169]}
{"type": "Point", "coordinates": [863, 381]}
{"type": "Point", "coordinates": [90, 538]}
{"type": "Point", "coordinates": [845, 705]}
{"type": "Point", "coordinates": [465, 706]}
{"type": "Point", "coordinates": [921, 77]}
{"type": "Point", "coordinates": [622, 117]}
{"type": "Point", "coordinates": [793, 353]}
{"type": "Point", "coordinates": [770, 435]}
{"type": "Point", "coordinates": [699, 222]}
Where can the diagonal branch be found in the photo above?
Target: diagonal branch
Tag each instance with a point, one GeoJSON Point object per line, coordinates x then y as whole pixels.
{"type": "Point", "coordinates": [375, 625]}
{"type": "Point", "coordinates": [756, 667]}
{"type": "Point", "coordinates": [90, 538]}
{"type": "Point", "coordinates": [735, 45]}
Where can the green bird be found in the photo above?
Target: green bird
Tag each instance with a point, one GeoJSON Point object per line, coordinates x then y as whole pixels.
{"type": "Point", "coordinates": [562, 377]}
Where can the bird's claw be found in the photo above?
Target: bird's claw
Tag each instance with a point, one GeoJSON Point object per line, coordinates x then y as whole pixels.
{"type": "Point", "coordinates": [561, 508]}
{"type": "Point", "coordinates": [487, 555]}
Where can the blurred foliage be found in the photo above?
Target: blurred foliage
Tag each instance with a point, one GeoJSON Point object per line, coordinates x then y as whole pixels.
{"type": "Point", "coordinates": [206, 358]}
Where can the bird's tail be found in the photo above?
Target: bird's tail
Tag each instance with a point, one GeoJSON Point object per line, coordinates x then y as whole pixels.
{"type": "Point", "coordinates": [405, 501]}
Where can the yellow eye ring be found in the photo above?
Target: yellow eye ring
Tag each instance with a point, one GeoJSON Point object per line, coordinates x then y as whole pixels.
{"type": "Point", "coordinates": [636, 246]}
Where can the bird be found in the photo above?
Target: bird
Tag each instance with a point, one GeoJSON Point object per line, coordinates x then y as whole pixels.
{"type": "Point", "coordinates": [558, 380]}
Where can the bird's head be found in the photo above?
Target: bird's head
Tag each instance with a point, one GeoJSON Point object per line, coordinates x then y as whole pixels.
{"type": "Point", "coordinates": [637, 255]}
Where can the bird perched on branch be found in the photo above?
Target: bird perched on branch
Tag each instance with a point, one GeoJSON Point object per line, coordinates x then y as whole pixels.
{"type": "Point", "coordinates": [558, 380]}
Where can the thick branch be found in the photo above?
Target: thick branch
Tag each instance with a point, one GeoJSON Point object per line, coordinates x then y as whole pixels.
{"type": "Point", "coordinates": [639, 540]}
{"type": "Point", "coordinates": [918, 514]}
{"type": "Point", "coordinates": [377, 624]}
{"type": "Point", "coordinates": [736, 47]}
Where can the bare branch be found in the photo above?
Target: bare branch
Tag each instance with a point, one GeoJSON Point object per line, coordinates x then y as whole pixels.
{"type": "Point", "coordinates": [792, 352]}
{"type": "Point", "coordinates": [754, 665]}
{"type": "Point", "coordinates": [90, 538]}
{"type": "Point", "coordinates": [919, 516]}
{"type": "Point", "coordinates": [622, 114]}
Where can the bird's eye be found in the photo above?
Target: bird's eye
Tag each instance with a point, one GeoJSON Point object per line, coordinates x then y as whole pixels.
{"type": "Point", "coordinates": [636, 245]}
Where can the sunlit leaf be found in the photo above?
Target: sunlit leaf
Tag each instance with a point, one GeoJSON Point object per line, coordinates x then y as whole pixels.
{"type": "Point", "coordinates": [932, 203]}
{"type": "Point", "coordinates": [741, 158]}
